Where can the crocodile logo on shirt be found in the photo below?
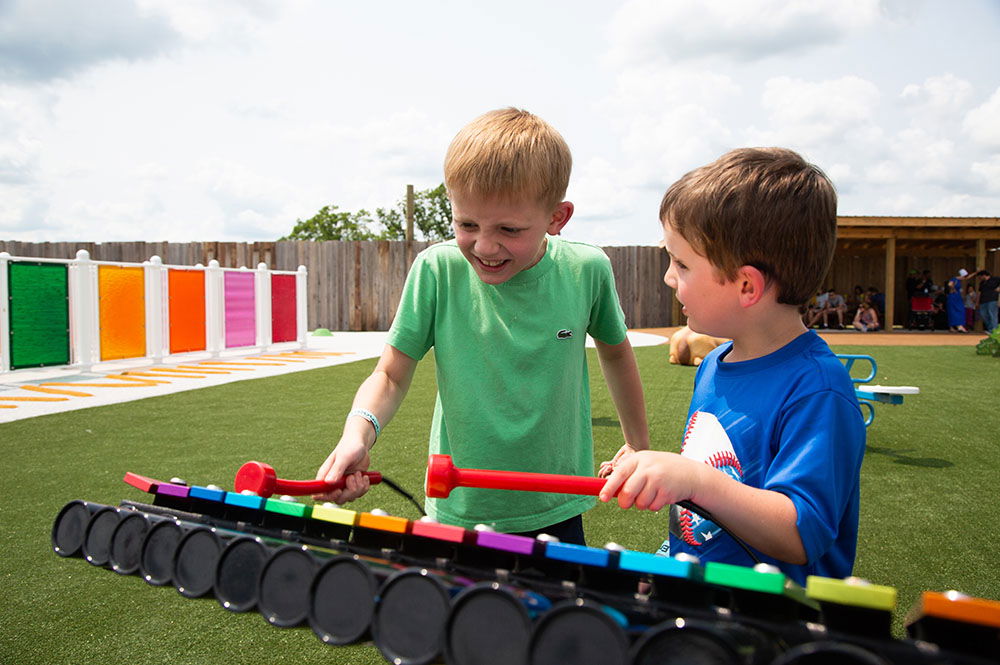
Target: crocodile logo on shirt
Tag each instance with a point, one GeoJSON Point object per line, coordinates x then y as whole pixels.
{"type": "Point", "coordinates": [564, 334]}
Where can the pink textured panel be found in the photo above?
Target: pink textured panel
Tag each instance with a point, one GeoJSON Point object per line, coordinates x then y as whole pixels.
{"type": "Point", "coordinates": [241, 320]}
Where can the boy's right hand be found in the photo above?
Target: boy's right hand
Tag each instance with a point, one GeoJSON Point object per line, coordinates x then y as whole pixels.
{"type": "Point", "coordinates": [347, 460]}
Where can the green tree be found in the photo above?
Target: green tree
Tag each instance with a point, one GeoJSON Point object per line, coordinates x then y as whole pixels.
{"type": "Point", "coordinates": [431, 221]}
{"type": "Point", "coordinates": [331, 224]}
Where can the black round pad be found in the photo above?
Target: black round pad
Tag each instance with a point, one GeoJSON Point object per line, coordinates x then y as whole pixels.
{"type": "Point", "coordinates": [342, 601]}
{"type": "Point", "coordinates": [126, 543]}
{"type": "Point", "coordinates": [238, 572]}
{"type": "Point", "coordinates": [284, 586]}
{"type": "Point", "coordinates": [157, 562]}
{"type": "Point", "coordinates": [410, 618]}
{"type": "Point", "coordinates": [97, 540]}
{"type": "Point", "coordinates": [487, 626]}
{"type": "Point", "coordinates": [194, 562]}
{"type": "Point", "coordinates": [70, 527]}
{"type": "Point", "coordinates": [578, 632]}
{"type": "Point", "coordinates": [829, 653]}
{"type": "Point", "coordinates": [673, 646]}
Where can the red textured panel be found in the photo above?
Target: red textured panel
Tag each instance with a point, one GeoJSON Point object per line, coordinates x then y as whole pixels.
{"type": "Point", "coordinates": [283, 327]}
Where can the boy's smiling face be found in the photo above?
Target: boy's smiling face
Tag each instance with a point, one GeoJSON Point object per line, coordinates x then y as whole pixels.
{"type": "Point", "coordinates": [711, 305]}
{"type": "Point", "coordinates": [499, 238]}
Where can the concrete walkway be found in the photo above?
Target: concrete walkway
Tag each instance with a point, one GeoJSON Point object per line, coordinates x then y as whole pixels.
{"type": "Point", "coordinates": [28, 393]}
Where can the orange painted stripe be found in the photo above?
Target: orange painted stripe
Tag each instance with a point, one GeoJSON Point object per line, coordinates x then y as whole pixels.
{"type": "Point", "coordinates": [8, 406]}
{"type": "Point", "coordinates": [205, 370]}
{"type": "Point", "coordinates": [35, 399]}
{"type": "Point", "coordinates": [322, 353]}
{"type": "Point", "coordinates": [281, 358]}
{"type": "Point", "coordinates": [228, 369]}
{"type": "Point", "coordinates": [122, 377]}
{"type": "Point", "coordinates": [959, 607]}
{"type": "Point", "coordinates": [230, 364]}
{"type": "Point", "coordinates": [383, 522]}
{"type": "Point", "coordinates": [102, 385]}
{"type": "Point", "coordinates": [56, 391]}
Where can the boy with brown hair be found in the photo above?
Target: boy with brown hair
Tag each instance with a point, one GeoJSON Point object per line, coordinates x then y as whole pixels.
{"type": "Point", "coordinates": [774, 438]}
{"type": "Point", "coordinates": [507, 306]}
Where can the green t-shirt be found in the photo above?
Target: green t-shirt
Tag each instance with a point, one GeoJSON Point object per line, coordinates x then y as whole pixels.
{"type": "Point", "coordinates": [513, 388]}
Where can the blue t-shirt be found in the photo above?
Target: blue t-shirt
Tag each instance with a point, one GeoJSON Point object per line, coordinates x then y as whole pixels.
{"type": "Point", "coordinates": [787, 422]}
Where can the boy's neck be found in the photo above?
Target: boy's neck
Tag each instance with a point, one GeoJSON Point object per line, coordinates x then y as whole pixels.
{"type": "Point", "coordinates": [767, 329]}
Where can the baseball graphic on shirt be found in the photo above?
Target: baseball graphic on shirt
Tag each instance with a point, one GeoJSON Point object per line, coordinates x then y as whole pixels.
{"type": "Point", "coordinates": [705, 440]}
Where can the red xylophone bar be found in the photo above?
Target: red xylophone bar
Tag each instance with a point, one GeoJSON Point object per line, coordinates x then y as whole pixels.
{"type": "Point", "coordinates": [262, 480]}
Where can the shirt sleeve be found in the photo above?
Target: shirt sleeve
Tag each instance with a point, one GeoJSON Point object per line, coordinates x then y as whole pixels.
{"type": "Point", "coordinates": [607, 320]}
{"type": "Point", "coordinates": [412, 330]}
{"type": "Point", "coordinates": [818, 466]}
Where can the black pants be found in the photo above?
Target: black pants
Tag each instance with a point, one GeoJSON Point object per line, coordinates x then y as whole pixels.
{"type": "Point", "coordinates": [567, 531]}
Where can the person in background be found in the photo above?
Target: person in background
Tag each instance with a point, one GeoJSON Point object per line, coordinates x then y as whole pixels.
{"type": "Point", "coordinates": [877, 300]}
{"type": "Point", "coordinates": [954, 304]}
{"type": "Point", "coordinates": [866, 318]}
{"type": "Point", "coordinates": [835, 305]}
{"type": "Point", "coordinates": [971, 303]}
{"type": "Point", "coordinates": [988, 291]}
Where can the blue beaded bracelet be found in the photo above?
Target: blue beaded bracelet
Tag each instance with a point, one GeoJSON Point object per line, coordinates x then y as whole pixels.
{"type": "Point", "coordinates": [370, 417]}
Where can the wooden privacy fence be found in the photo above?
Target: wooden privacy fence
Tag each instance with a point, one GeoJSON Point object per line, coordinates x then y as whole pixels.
{"type": "Point", "coordinates": [357, 285]}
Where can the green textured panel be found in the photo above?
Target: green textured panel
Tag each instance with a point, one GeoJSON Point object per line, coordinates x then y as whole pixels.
{"type": "Point", "coordinates": [39, 314]}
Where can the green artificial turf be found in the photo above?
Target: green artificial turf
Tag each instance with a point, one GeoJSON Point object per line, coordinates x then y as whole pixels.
{"type": "Point", "coordinates": [929, 498]}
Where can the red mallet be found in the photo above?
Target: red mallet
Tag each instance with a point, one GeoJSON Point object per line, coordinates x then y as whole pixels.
{"type": "Point", "coordinates": [260, 479]}
{"type": "Point", "coordinates": [443, 476]}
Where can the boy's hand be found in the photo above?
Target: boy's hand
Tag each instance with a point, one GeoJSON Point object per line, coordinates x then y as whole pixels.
{"type": "Point", "coordinates": [649, 480]}
{"type": "Point", "coordinates": [347, 460]}
{"type": "Point", "coordinates": [609, 466]}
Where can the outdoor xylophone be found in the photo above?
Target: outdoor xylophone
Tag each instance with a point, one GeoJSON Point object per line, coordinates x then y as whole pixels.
{"type": "Point", "coordinates": [423, 591]}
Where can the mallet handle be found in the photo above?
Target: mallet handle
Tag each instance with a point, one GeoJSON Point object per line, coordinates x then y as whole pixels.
{"type": "Point", "coordinates": [306, 487]}
{"type": "Point", "coordinates": [261, 479]}
{"type": "Point", "coordinates": [529, 481]}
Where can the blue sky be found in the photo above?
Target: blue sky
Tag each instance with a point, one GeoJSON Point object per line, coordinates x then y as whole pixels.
{"type": "Point", "coordinates": [184, 120]}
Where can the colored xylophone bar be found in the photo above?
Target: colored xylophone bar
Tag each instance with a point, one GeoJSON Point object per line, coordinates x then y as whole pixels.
{"type": "Point", "coordinates": [422, 590]}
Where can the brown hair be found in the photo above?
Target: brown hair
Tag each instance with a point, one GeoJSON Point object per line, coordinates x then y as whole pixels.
{"type": "Point", "coordinates": [509, 154]}
{"type": "Point", "coordinates": [763, 207]}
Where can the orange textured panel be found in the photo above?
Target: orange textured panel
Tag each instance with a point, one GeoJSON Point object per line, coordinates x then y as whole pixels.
{"type": "Point", "coordinates": [187, 310]}
{"type": "Point", "coordinates": [122, 306]}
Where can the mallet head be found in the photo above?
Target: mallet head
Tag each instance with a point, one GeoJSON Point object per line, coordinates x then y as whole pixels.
{"type": "Point", "coordinates": [440, 480]}
{"type": "Point", "coordinates": [257, 477]}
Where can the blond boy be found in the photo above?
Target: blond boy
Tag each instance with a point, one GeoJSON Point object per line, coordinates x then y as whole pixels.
{"type": "Point", "coordinates": [774, 439]}
{"type": "Point", "coordinates": [506, 306]}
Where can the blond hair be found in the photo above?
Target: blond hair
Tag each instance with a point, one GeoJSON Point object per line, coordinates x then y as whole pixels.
{"type": "Point", "coordinates": [509, 154]}
{"type": "Point", "coordinates": [763, 207]}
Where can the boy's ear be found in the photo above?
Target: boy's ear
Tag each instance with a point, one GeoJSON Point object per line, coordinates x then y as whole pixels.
{"type": "Point", "coordinates": [752, 283]}
{"type": "Point", "coordinates": [560, 216]}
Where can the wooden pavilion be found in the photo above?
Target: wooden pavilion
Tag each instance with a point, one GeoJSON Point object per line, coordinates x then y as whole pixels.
{"type": "Point", "coordinates": [881, 252]}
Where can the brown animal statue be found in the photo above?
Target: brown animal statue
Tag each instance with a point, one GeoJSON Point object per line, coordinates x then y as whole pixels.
{"type": "Point", "coordinates": [689, 348]}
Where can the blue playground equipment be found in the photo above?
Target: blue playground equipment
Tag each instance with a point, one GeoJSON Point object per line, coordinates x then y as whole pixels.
{"type": "Point", "coordinates": [869, 393]}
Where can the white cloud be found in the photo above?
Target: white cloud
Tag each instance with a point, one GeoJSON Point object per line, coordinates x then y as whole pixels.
{"type": "Point", "coordinates": [939, 95]}
{"type": "Point", "coordinates": [982, 123]}
{"type": "Point", "coordinates": [44, 39]}
{"type": "Point", "coordinates": [644, 30]}
{"type": "Point", "coordinates": [814, 112]}
{"type": "Point", "coordinates": [988, 172]}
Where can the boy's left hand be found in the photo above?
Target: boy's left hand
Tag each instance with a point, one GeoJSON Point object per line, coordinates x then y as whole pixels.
{"type": "Point", "coordinates": [609, 466]}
